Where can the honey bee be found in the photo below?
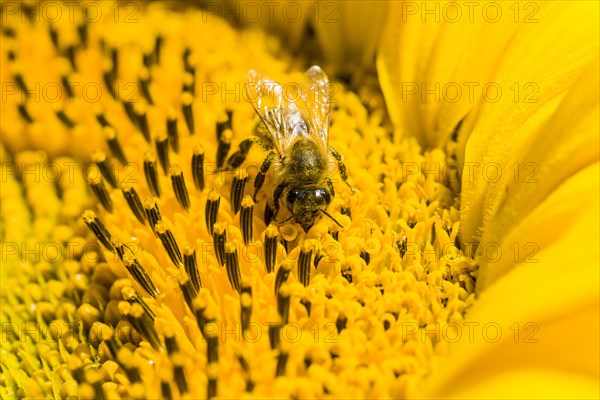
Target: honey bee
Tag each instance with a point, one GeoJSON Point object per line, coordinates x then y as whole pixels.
{"type": "Point", "coordinates": [297, 138]}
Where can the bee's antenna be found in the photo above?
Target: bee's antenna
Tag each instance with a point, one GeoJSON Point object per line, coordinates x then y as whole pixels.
{"type": "Point", "coordinates": [331, 218]}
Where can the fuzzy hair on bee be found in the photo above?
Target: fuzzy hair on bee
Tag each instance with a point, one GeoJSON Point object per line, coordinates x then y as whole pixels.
{"type": "Point", "coordinates": [296, 138]}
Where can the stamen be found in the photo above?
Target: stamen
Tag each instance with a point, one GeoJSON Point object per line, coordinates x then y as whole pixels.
{"type": "Point", "coordinates": [168, 241]}
{"type": "Point", "coordinates": [212, 209]}
{"type": "Point", "coordinates": [282, 274]}
{"type": "Point", "coordinates": [365, 256]}
{"type": "Point", "coordinates": [219, 238]}
{"type": "Point", "coordinates": [54, 36]}
{"type": "Point", "coordinates": [187, 100]}
{"type": "Point", "coordinates": [65, 83]}
{"type": "Point", "coordinates": [198, 167]}
{"type": "Point", "coordinates": [245, 305]}
{"type": "Point", "coordinates": [82, 31]}
{"type": "Point", "coordinates": [109, 81]}
{"type": "Point", "coordinates": [223, 123]}
{"type": "Point", "coordinates": [157, 48]}
{"type": "Point", "coordinates": [142, 321]}
{"type": "Point", "coordinates": [130, 111]}
{"type": "Point", "coordinates": [140, 275]}
{"type": "Point", "coordinates": [282, 359]}
{"type": "Point", "coordinates": [60, 114]}
{"type": "Point", "coordinates": [101, 118]}
{"type": "Point", "coordinates": [203, 315]}
{"type": "Point", "coordinates": [141, 120]}
{"type": "Point", "coordinates": [114, 145]}
{"type": "Point", "coordinates": [99, 229]}
{"type": "Point", "coordinates": [114, 58]}
{"type": "Point", "coordinates": [100, 192]}
{"type": "Point", "coordinates": [340, 322]}
{"type": "Point", "coordinates": [307, 304]}
{"type": "Point", "coordinates": [179, 187]}
{"type": "Point", "coordinates": [246, 368]}
{"type": "Point", "coordinates": [172, 130]}
{"type": "Point", "coordinates": [24, 113]}
{"type": "Point", "coordinates": [152, 213]}
{"type": "Point", "coordinates": [189, 82]}
{"type": "Point", "coordinates": [212, 347]}
{"type": "Point", "coordinates": [70, 55]}
{"type": "Point", "coordinates": [247, 219]}
{"type": "Point", "coordinates": [151, 174]}
{"type": "Point", "coordinates": [237, 189]}
{"type": "Point", "coordinates": [191, 266]}
{"type": "Point", "coordinates": [232, 264]}
{"type": "Point", "coordinates": [212, 371]}
{"type": "Point", "coordinates": [283, 303]}
{"type": "Point", "coordinates": [100, 159]}
{"type": "Point", "coordinates": [271, 240]}
{"type": "Point", "coordinates": [134, 202]}
{"type": "Point", "coordinates": [162, 150]}
{"type": "Point", "coordinates": [274, 333]}
{"type": "Point", "coordinates": [132, 297]}
{"type": "Point", "coordinates": [178, 360]}
{"type": "Point", "coordinates": [21, 84]}
{"type": "Point", "coordinates": [187, 288]}
{"type": "Point", "coordinates": [304, 263]}
{"type": "Point", "coordinates": [165, 389]}
{"type": "Point", "coordinates": [223, 147]}
{"type": "Point", "coordinates": [144, 79]}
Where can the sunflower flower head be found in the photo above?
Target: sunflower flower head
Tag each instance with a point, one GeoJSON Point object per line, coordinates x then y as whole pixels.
{"type": "Point", "coordinates": [136, 264]}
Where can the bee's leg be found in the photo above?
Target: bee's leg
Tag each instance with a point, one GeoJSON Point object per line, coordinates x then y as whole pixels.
{"type": "Point", "coordinates": [341, 166]}
{"type": "Point", "coordinates": [330, 187]}
{"type": "Point", "coordinates": [276, 195]}
{"type": "Point", "coordinates": [237, 158]}
{"type": "Point", "coordinates": [260, 177]}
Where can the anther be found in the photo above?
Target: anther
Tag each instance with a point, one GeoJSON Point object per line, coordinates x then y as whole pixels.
{"type": "Point", "coordinates": [283, 303]}
{"type": "Point", "coordinates": [172, 130]}
{"type": "Point", "coordinates": [219, 238]}
{"type": "Point", "coordinates": [132, 297]}
{"type": "Point", "coordinates": [282, 359]}
{"type": "Point", "coordinates": [141, 120]}
{"type": "Point", "coordinates": [223, 147]}
{"type": "Point", "coordinates": [204, 315]}
{"type": "Point", "coordinates": [274, 332]}
{"type": "Point", "coordinates": [140, 275]}
{"type": "Point", "coordinates": [151, 173]}
{"type": "Point", "coordinates": [22, 108]}
{"type": "Point", "coordinates": [98, 228]}
{"type": "Point", "coordinates": [212, 209]}
{"type": "Point", "coordinates": [307, 304]}
{"type": "Point", "coordinates": [178, 361]}
{"type": "Point", "coordinates": [129, 110]}
{"type": "Point", "coordinates": [168, 241]}
{"type": "Point", "coordinates": [82, 31]}
{"type": "Point", "coordinates": [69, 53]}
{"type": "Point", "coordinates": [271, 240]}
{"type": "Point", "coordinates": [60, 114]}
{"type": "Point", "coordinates": [304, 263]}
{"type": "Point", "coordinates": [191, 266]}
{"type": "Point", "coordinates": [282, 274]}
{"type": "Point", "coordinates": [54, 36]}
{"type": "Point", "coordinates": [212, 348]}
{"type": "Point", "coordinates": [142, 321]}
{"type": "Point", "coordinates": [100, 192]}
{"type": "Point", "coordinates": [100, 159]}
{"type": "Point", "coordinates": [162, 150]}
{"type": "Point", "coordinates": [237, 189]}
{"type": "Point", "coordinates": [109, 81]}
{"type": "Point", "coordinates": [212, 374]}
{"type": "Point", "coordinates": [114, 58]}
{"type": "Point", "coordinates": [65, 83]}
{"type": "Point", "coordinates": [198, 167]}
{"type": "Point", "coordinates": [101, 118]}
{"type": "Point", "coordinates": [189, 82]}
{"type": "Point", "coordinates": [340, 322]}
{"type": "Point", "coordinates": [21, 84]}
{"type": "Point", "coordinates": [245, 304]}
{"type": "Point", "coordinates": [134, 202]}
{"type": "Point", "coordinates": [247, 219]}
{"type": "Point", "coordinates": [187, 100]}
{"type": "Point", "coordinates": [179, 187]}
{"type": "Point", "coordinates": [187, 288]}
{"type": "Point", "coordinates": [145, 85]}
{"type": "Point", "coordinates": [223, 123]}
{"type": "Point", "coordinates": [157, 48]}
{"type": "Point", "coordinates": [114, 145]}
{"type": "Point", "coordinates": [232, 264]}
{"type": "Point", "coordinates": [365, 256]}
{"type": "Point", "coordinates": [152, 212]}
{"type": "Point", "coordinates": [246, 367]}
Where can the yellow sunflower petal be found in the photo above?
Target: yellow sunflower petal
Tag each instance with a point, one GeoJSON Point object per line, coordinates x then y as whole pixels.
{"type": "Point", "coordinates": [543, 62]}
{"type": "Point", "coordinates": [435, 58]}
{"type": "Point", "coordinates": [543, 315]}
{"type": "Point", "coordinates": [348, 32]}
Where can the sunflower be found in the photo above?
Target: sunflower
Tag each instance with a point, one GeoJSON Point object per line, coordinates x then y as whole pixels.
{"type": "Point", "coordinates": [462, 262]}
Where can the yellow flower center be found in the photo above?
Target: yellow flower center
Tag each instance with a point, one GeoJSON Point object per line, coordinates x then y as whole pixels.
{"type": "Point", "coordinates": [188, 290]}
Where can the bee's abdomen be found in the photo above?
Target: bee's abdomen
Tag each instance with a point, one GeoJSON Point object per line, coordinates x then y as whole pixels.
{"type": "Point", "coordinates": [306, 163]}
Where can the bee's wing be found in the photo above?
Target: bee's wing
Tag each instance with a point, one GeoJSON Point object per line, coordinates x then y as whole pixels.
{"type": "Point", "coordinates": [268, 99]}
{"type": "Point", "coordinates": [317, 103]}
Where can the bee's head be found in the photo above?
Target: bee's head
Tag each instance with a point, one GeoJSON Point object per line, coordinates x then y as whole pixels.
{"type": "Point", "coordinates": [307, 205]}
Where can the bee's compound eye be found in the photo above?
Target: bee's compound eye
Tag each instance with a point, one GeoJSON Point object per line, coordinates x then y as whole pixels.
{"type": "Point", "coordinates": [322, 197]}
{"type": "Point", "coordinates": [292, 198]}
